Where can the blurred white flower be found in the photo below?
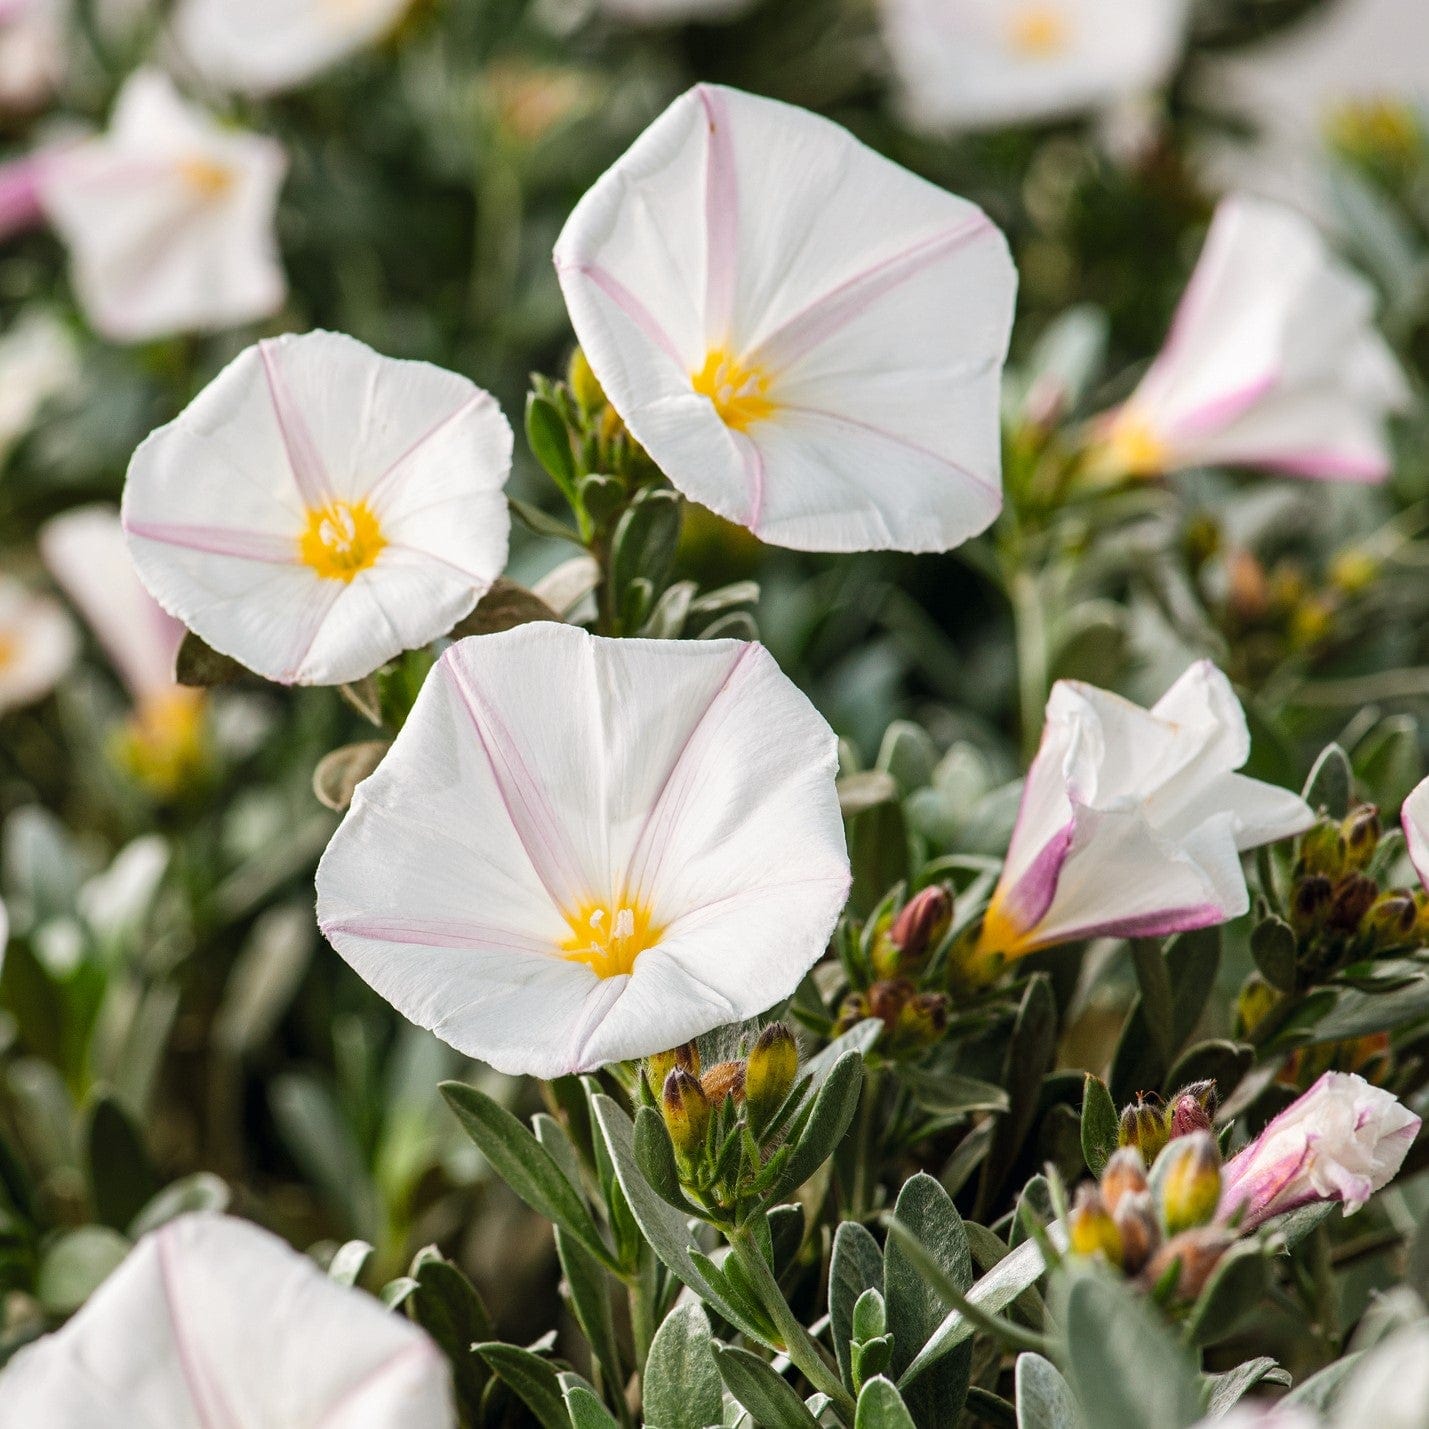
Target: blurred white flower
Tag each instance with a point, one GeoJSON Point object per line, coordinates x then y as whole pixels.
{"type": "Point", "coordinates": [21, 208]}
{"type": "Point", "coordinates": [39, 361]}
{"type": "Point", "coordinates": [1415, 818]}
{"type": "Point", "coordinates": [37, 645]}
{"type": "Point", "coordinates": [1272, 361]}
{"type": "Point", "coordinates": [34, 51]}
{"type": "Point", "coordinates": [168, 218]}
{"type": "Point", "coordinates": [668, 11]}
{"type": "Point", "coordinates": [89, 559]}
{"type": "Point", "coordinates": [1341, 1141]}
{"type": "Point", "coordinates": [263, 46]}
{"type": "Point", "coordinates": [318, 508]}
{"type": "Point", "coordinates": [583, 850]}
{"type": "Point", "coordinates": [806, 338]}
{"type": "Point", "coordinates": [1389, 1387]}
{"type": "Point", "coordinates": [983, 64]}
{"type": "Point", "coordinates": [210, 1320]}
{"type": "Point", "coordinates": [1132, 821]}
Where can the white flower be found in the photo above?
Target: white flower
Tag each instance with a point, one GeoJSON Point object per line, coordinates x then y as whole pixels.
{"type": "Point", "coordinates": [39, 361]}
{"type": "Point", "coordinates": [1415, 818]}
{"type": "Point", "coordinates": [668, 11]}
{"type": "Point", "coordinates": [1132, 821]}
{"type": "Point", "coordinates": [317, 509]}
{"type": "Point", "coordinates": [34, 51]}
{"type": "Point", "coordinates": [583, 850]}
{"type": "Point", "coordinates": [806, 338]}
{"type": "Point", "coordinates": [1389, 1387]}
{"type": "Point", "coordinates": [1341, 1141]}
{"type": "Point", "coordinates": [37, 645]}
{"type": "Point", "coordinates": [212, 1321]}
{"type": "Point", "coordinates": [1272, 361]}
{"type": "Point", "coordinates": [262, 46]}
{"type": "Point", "coordinates": [168, 218]}
{"type": "Point", "coordinates": [980, 64]}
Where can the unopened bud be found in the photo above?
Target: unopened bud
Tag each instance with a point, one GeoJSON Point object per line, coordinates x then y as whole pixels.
{"type": "Point", "coordinates": [1191, 1185]}
{"type": "Point", "coordinates": [1353, 571]}
{"type": "Point", "coordinates": [1322, 850]}
{"type": "Point", "coordinates": [1195, 1253]}
{"type": "Point", "coordinates": [1090, 1229]}
{"type": "Point", "coordinates": [852, 1010]}
{"type": "Point", "coordinates": [1310, 903]}
{"type": "Point", "coordinates": [1361, 830]}
{"type": "Point", "coordinates": [1144, 1127]}
{"type": "Point", "coordinates": [1256, 1001]}
{"type": "Point", "coordinates": [1247, 587]}
{"type": "Point", "coordinates": [724, 1079]}
{"type": "Point", "coordinates": [770, 1073]}
{"type": "Point", "coordinates": [920, 927]}
{"type": "Point", "coordinates": [1123, 1175]}
{"type": "Point", "coordinates": [888, 998]}
{"type": "Point", "coordinates": [1193, 1108]}
{"type": "Point", "coordinates": [661, 1064]}
{"type": "Point", "coordinates": [922, 1021]}
{"type": "Point", "coordinates": [687, 1111]}
{"type": "Point", "coordinates": [583, 383]}
{"type": "Point", "coordinates": [1392, 919]}
{"type": "Point", "coordinates": [1136, 1225]}
{"type": "Point", "coordinates": [1354, 897]}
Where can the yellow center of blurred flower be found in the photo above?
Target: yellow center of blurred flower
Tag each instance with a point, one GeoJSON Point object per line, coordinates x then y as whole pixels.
{"type": "Point", "coordinates": [9, 649]}
{"type": "Point", "coordinates": [1134, 448]}
{"type": "Point", "coordinates": [163, 746]}
{"type": "Point", "coordinates": [608, 941]}
{"type": "Point", "coordinates": [206, 177]}
{"type": "Point", "coordinates": [740, 393]}
{"type": "Point", "coordinates": [342, 538]}
{"type": "Point", "coordinates": [1373, 128]}
{"type": "Point", "coordinates": [1039, 32]}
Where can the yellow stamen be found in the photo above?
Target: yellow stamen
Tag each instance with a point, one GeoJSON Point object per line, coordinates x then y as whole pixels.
{"type": "Point", "coordinates": [163, 745]}
{"type": "Point", "coordinates": [1374, 129]}
{"type": "Point", "coordinates": [9, 649]}
{"type": "Point", "coordinates": [1039, 32]}
{"type": "Point", "coordinates": [1134, 449]}
{"type": "Point", "coordinates": [740, 393]}
{"type": "Point", "coordinates": [609, 941]}
{"type": "Point", "coordinates": [206, 177]}
{"type": "Point", "coordinates": [342, 539]}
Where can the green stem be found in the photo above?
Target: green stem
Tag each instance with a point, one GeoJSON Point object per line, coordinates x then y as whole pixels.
{"type": "Point", "coordinates": [1030, 628]}
{"type": "Point", "coordinates": [643, 1290]}
{"type": "Point", "coordinates": [801, 1349]}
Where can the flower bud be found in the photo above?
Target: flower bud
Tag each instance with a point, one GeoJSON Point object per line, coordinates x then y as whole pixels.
{"type": "Point", "coordinates": [1196, 1253]}
{"type": "Point", "coordinates": [1392, 919]}
{"type": "Point", "coordinates": [1193, 1108]}
{"type": "Point", "coordinates": [1090, 1228]}
{"type": "Point", "coordinates": [1191, 1185]}
{"type": "Point", "coordinates": [1322, 850]}
{"type": "Point", "coordinates": [1124, 1175]}
{"type": "Point", "coordinates": [852, 1010]}
{"type": "Point", "coordinates": [724, 1079]}
{"type": "Point", "coordinates": [687, 1111]}
{"type": "Point", "coordinates": [1256, 1001]}
{"type": "Point", "coordinates": [1354, 897]}
{"type": "Point", "coordinates": [661, 1064]}
{"type": "Point", "coordinates": [887, 999]}
{"type": "Point", "coordinates": [770, 1073]}
{"type": "Point", "coordinates": [915, 932]}
{"type": "Point", "coordinates": [922, 1021]}
{"type": "Point", "coordinates": [1247, 587]}
{"type": "Point", "coordinates": [1361, 829]}
{"type": "Point", "coordinates": [583, 383]}
{"type": "Point", "coordinates": [1353, 571]}
{"type": "Point", "coordinates": [1310, 901]}
{"type": "Point", "coordinates": [1135, 1219]}
{"type": "Point", "coordinates": [1144, 1127]}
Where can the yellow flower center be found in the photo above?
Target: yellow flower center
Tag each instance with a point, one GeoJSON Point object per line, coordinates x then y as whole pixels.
{"type": "Point", "coordinates": [163, 745]}
{"type": "Point", "coordinates": [1373, 128]}
{"type": "Point", "coordinates": [206, 177]}
{"type": "Point", "coordinates": [1039, 32]}
{"type": "Point", "coordinates": [740, 393]}
{"type": "Point", "coordinates": [342, 538]}
{"type": "Point", "coordinates": [609, 941]}
{"type": "Point", "coordinates": [9, 649]}
{"type": "Point", "coordinates": [1134, 449]}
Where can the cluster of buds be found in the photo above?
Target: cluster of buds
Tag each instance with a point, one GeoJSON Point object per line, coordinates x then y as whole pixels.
{"type": "Point", "coordinates": [1148, 1124]}
{"type": "Point", "coordinates": [892, 970]}
{"type": "Point", "coordinates": [727, 1119]}
{"type": "Point", "coordinates": [1158, 1229]}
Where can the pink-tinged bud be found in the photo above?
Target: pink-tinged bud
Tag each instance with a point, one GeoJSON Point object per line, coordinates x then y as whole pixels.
{"type": "Point", "coordinates": [1195, 1253]}
{"type": "Point", "coordinates": [1145, 1127]}
{"type": "Point", "coordinates": [1191, 1185]}
{"type": "Point", "coordinates": [1090, 1228]}
{"type": "Point", "coordinates": [887, 999]}
{"type": "Point", "coordinates": [1193, 1108]}
{"type": "Point", "coordinates": [770, 1073]}
{"type": "Point", "coordinates": [687, 1111]}
{"type": "Point", "coordinates": [1123, 1175]}
{"type": "Point", "coordinates": [1137, 1227]}
{"type": "Point", "coordinates": [21, 208]}
{"type": "Point", "coordinates": [921, 926]}
{"type": "Point", "coordinates": [1341, 1141]}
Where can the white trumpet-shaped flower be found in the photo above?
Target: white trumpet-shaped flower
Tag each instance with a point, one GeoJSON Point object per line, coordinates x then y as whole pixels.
{"type": "Point", "coordinates": [317, 509]}
{"type": "Point", "coordinates": [212, 1321]}
{"type": "Point", "coordinates": [1415, 818]}
{"type": "Point", "coordinates": [1133, 821]}
{"type": "Point", "coordinates": [39, 361]}
{"type": "Point", "coordinates": [263, 46]}
{"type": "Point", "coordinates": [168, 218]}
{"type": "Point", "coordinates": [37, 645]}
{"type": "Point", "coordinates": [1272, 361]}
{"type": "Point", "coordinates": [582, 850]}
{"type": "Point", "coordinates": [982, 64]}
{"type": "Point", "coordinates": [806, 338]}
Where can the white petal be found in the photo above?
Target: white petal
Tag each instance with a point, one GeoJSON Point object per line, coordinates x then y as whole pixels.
{"type": "Point", "coordinates": [545, 770]}
{"type": "Point", "coordinates": [669, 11]}
{"type": "Point", "coordinates": [37, 645]}
{"type": "Point", "coordinates": [875, 307]}
{"type": "Point", "coordinates": [211, 1320]}
{"type": "Point", "coordinates": [262, 46]}
{"type": "Point", "coordinates": [1415, 818]}
{"type": "Point", "coordinates": [217, 502]}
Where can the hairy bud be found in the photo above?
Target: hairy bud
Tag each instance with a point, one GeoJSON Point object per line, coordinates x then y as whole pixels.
{"type": "Point", "coordinates": [1360, 830]}
{"type": "Point", "coordinates": [1322, 850]}
{"type": "Point", "coordinates": [922, 1021]}
{"type": "Point", "coordinates": [1392, 919]}
{"type": "Point", "coordinates": [661, 1064]}
{"type": "Point", "coordinates": [724, 1079]}
{"type": "Point", "coordinates": [1191, 1185]}
{"type": "Point", "coordinates": [770, 1073]}
{"type": "Point", "coordinates": [1137, 1228]}
{"type": "Point", "coordinates": [1193, 1108]}
{"type": "Point", "coordinates": [1195, 1254]}
{"type": "Point", "coordinates": [918, 929]}
{"type": "Point", "coordinates": [1144, 1127]}
{"type": "Point", "coordinates": [1090, 1228]}
{"type": "Point", "coordinates": [686, 1110]}
{"type": "Point", "coordinates": [1124, 1175]}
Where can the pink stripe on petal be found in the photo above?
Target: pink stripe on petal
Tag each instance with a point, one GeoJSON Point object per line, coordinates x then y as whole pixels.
{"type": "Point", "coordinates": [389, 477]}
{"type": "Point", "coordinates": [1152, 925]}
{"type": "Point", "coordinates": [721, 217]}
{"type": "Point", "coordinates": [438, 933]}
{"type": "Point", "coordinates": [418, 1349]}
{"type": "Point", "coordinates": [303, 457]}
{"type": "Point", "coordinates": [631, 306]}
{"type": "Point", "coordinates": [1028, 900]}
{"type": "Point", "coordinates": [1325, 466]}
{"type": "Point", "coordinates": [207, 1403]}
{"type": "Point", "coordinates": [220, 541]}
{"type": "Point", "coordinates": [531, 815]}
{"type": "Point", "coordinates": [828, 315]}
{"type": "Point", "coordinates": [1221, 411]}
{"type": "Point", "coordinates": [594, 1010]}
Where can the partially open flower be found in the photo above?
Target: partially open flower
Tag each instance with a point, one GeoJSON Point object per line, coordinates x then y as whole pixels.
{"type": "Point", "coordinates": [580, 851]}
{"type": "Point", "coordinates": [262, 46]}
{"type": "Point", "coordinates": [1273, 361]}
{"type": "Point", "coordinates": [37, 645]}
{"type": "Point", "coordinates": [1132, 821]}
{"type": "Point", "coordinates": [1341, 1141]}
{"type": "Point", "coordinates": [805, 338]}
{"type": "Point", "coordinates": [168, 218]}
{"type": "Point", "coordinates": [211, 1320]}
{"type": "Point", "coordinates": [984, 64]}
{"type": "Point", "coordinates": [317, 509]}
{"type": "Point", "coordinates": [1415, 818]}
